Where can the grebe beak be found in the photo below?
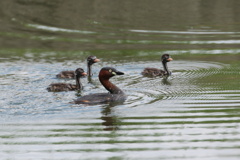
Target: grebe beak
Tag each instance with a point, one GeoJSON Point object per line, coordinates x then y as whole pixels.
{"type": "Point", "coordinates": [84, 74]}
{"type": "Point", "coordinates": [119, 73]}
{"type": "Point", "coordinates": [96, 60]}
{"type": "Point", "coordinates": [169, 59]}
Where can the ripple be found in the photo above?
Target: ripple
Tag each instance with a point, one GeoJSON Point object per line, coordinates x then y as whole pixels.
{"type": "Point", "coordinates": [214, 42]}
{"type": "Point", "coordinates": [81, 136]}
{"type": "Point", "coordinates": [202, 51]}
{"type": "Point", "coordinates": [145, 90]}
{"type": "Point", "coordinates": [140, 90]}
{"type": "Point", "coordinates": [56, 29]}
{"type": "Point", "coordinates": [184, 32]}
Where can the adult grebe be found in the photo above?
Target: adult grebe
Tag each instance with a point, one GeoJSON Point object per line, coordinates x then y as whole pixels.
{"type": "Point", "coordinates": [115, 94]}
{"type": "Point", "coordinates": [58, 87]}
{"type": "Point", "coordinates": [158, 72]}
{"type": "Point", "coordinates": [70, 74]}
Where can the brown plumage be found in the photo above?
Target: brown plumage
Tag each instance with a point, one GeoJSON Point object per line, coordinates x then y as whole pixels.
{"type": "Point", "coordinates": [70, 74]}
{"type": "Point", "coordinates": [153, 72]}
{"type": "Point", "coordinates": [59, 87]}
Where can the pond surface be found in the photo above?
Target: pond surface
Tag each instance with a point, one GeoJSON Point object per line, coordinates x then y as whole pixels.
{"type": "Point", "coordinates": [194, 114]}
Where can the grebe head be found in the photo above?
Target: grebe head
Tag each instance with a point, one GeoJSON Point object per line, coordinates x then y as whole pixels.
{"type": "Point", "coordinates": [166, 58]}
{"type": "Point", "coordinates": [108, 72]}
{"type": "Point", "coordinates": [92, 59]}
{"type": "Point", "coordinates": [79, 72]}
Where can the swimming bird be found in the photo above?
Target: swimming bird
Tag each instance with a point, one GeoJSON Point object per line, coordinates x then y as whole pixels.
{"type": "Point", "coordinates": [115, 94]}
{"type": "Point", "coordinates": [70, 74]}
{"type": "Point", "coordinates": [158, 72]}
{"type": "Point", "coordinates": [58, 87]}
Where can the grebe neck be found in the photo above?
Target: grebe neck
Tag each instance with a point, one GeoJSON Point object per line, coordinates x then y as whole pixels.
{"type": "Point", "coordinates": [113, 89]}
{"type": "Point", "coordinates": [165, 68]}
{"type": "Point", "coordinates": [78, 83]}
{"type": "Point", "coordinates": [89, 70]}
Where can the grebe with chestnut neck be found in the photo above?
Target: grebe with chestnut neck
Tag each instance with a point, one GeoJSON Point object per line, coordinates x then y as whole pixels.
{"type": "Point", "coordinates": [115, 94]}
{"type": "Point", "coordinates": [70, 74]}
{"type": "Point", "coordinates": [58, 87]}
{"type": "Point", "coordinates": [153, 72]}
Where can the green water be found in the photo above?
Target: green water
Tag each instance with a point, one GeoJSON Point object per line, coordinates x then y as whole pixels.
{"type": "Point", "coordinates": [193, 114]}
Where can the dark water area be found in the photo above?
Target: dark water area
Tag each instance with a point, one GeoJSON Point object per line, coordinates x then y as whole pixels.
{"type": "Point", "coordinates": [193, 114]}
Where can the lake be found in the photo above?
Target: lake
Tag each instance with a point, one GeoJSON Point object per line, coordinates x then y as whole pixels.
{"type": "Point", "coordinates": [194, 114]}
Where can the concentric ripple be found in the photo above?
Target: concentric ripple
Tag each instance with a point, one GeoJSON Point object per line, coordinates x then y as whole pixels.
{"type": "Point", "coordinates": [140, 90]}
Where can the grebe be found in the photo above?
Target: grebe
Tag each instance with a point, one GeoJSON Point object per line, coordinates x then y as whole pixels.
{"type": "Point", "coordinates": [70, 74]}
{"type": "Point", "coordinates": [115, 94]}
{"type": "Point", "coordinates": [90, 61]}
{"type": "Point", "coordinates": [158, 72]}
{"type": "Point", "coordinates": [58, 87]}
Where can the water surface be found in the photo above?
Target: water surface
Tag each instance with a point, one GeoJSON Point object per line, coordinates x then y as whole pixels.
{"type": "Point", "coordinates": [193, 114]}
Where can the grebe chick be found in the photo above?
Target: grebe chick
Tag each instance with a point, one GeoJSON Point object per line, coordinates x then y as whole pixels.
{"type": "Point", "coordinates": [158, 72]}
{"type": "Point", "coordinates": [58, 87]}
{"type": "Point", "coordinates": [70, 74]}
{"type": "Point", "coordinates": [90, 61]}
{"type": "Point", "coordinates": [115, 94]}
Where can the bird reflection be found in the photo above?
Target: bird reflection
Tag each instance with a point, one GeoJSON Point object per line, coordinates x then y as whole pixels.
{"type": "Point", "coordinates": [165, 81]}
{"type": "Point", "coordinates": [110, 120]}
{"type": "Point", "coordinates": [90, 80]}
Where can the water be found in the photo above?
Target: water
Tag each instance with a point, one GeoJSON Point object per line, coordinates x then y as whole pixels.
{"type": "Point", "coordinates": [193, 114]}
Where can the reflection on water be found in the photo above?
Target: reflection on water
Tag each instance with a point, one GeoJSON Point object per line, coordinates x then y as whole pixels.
{"type": "Point", "coordinates": [110, 118]}
{"type": "Point", "coordinates": [192, 114]}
